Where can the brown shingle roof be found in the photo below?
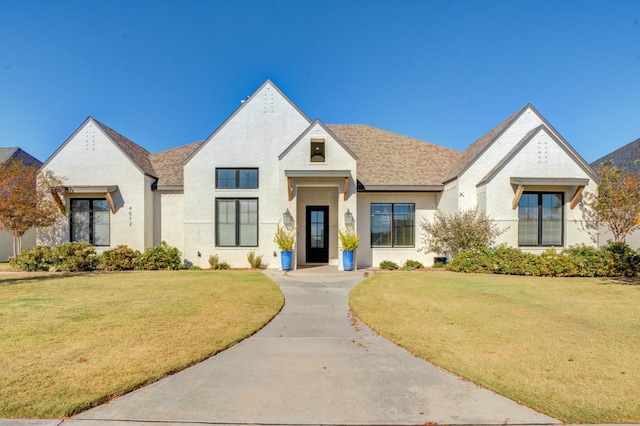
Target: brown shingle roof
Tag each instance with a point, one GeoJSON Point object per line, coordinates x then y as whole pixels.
{"type": "Point", "coordinates": [169, 165]}
{"type": "Point", "coordinates": [627, 157]}
{"type": "Point", "coordinates": [136, 153]}
{"type": "Point", "coordinates": [474, 150]}
{"type": "Point", "coordinates": [387, 158]}
{"type": "Point", "coordinates": [15, 153]}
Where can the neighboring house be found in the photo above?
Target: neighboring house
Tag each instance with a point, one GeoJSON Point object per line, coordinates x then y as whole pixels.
{"type": "Point", "coordinates": [268, 163]}
{"type": "Point", "coordinates": [29, 238]}
{"type": "Point", "coordinates": [627, 158]}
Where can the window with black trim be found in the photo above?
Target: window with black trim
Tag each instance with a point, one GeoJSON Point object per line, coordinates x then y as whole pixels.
{"type": "Point", "coordinates": [236, 222]}
{"type": "Point", "coordinates": [236, 178]}
{"type": "Point", "coordinates": [89, 221]}
{"type": "Point", "coordinates": [540, 219]}
{"type": "Point", "coordinates": [392, 225]}
{"type": "Point", "coordinates": [317, 151]}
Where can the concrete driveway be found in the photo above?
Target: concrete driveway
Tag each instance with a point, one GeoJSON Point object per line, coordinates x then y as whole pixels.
{"type": "Point", "coordinates": [315, 363]}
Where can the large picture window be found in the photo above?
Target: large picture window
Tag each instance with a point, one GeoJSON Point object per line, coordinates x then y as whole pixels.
{"type": "Point", "coordinates": [392, 225]}
{"type": "Point", "coordinates": [236, 178]}
{"type": "Point", "coordinates": [236, 222]}
{"type": "Point", "coordinates": [540, 219]}
{"type": "Point", "coordinates": [90, 221]}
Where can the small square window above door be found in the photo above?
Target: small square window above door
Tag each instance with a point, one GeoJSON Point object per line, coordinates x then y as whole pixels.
{"type": "Point", "coordinates": [317, 151]}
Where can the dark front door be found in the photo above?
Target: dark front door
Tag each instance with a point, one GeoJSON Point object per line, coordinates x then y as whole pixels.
{"type": "Point", "coordinates": [317, 234]}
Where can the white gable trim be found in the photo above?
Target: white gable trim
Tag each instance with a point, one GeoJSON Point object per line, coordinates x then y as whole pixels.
{"type": "Point", "coordinates": [306, 132]}
{"type": "Point", "coordinates": [237, 111]}
{"type": "Point", "coordinates": [99, 127]}
{"type": "Point", "coordinates": [525, 140]}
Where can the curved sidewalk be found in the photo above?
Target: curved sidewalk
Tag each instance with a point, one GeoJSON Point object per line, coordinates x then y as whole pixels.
{"type": "Point", "coordinates": [315, 363]}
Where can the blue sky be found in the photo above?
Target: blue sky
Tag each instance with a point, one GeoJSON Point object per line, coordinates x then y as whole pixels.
{"type": "Point", "coordinates": [166, 73]}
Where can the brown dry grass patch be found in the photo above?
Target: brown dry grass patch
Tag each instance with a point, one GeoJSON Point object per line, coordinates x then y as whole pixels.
{"type": "Point", "coordinates": [70, 342]}
{"type": "Point", "coordinates": [564, 346]}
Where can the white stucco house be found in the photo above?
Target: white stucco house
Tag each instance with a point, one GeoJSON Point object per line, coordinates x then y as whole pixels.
{"type": "Point", "coordinates": [29, 238]}
{"type": "Point", "coordinates": [268, 163]}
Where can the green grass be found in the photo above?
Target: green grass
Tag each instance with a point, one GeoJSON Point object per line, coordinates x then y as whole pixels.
{"type": "Point", "coordinates": [4, 266]}
{"type": "Point", "coordinates": [569, 347]}
{"type": "Point", "coordinates": [68, 343]}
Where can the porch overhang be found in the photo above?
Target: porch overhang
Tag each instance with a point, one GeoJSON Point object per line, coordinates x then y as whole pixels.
{"type": "Point", "coordinates": [344, 174]}
{"type": "Point", "coordinates": [107, 190]}
{"type": "Point", "coordinates": [523, 182]}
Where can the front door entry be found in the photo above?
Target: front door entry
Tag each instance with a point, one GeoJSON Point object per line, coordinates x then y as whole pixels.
{"type": "Point", "coordinates": [317, 234]}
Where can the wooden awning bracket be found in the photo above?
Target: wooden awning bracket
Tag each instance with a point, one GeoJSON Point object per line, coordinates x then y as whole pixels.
{"type": "Point", "coordinates": [516, 199]}
{"type": "Point", "coordinates": [112, 206]}
{"type": "Point", "coordinates": [59, 202]}
{"type": "Point", "coordinates": [346, 188]}
{"type": "Point", "coordinates": [576, 197]}
{"type": "Point", "coordinates": [289, 189]}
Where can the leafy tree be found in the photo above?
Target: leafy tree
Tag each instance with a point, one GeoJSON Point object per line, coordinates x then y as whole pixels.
{"type": "Point", "coordinates": [25, 199]}
{"type": "Point", "coordinates": [616, 202]}
{"type": "Point", "coordinates": [464, 230]}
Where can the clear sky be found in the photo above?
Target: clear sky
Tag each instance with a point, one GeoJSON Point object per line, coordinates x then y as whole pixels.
{"type": "Point", "coordinates": [166, 73]}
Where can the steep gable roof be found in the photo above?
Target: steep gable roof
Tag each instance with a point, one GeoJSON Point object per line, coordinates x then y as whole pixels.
{"type": "Point", "coordinates": [326, 129]}
{"type": "Point", "coordinates": [627, 157]}
{"type": "Point", "coordinates": [168, 165]}
{"type": "Point", "coordinates": [474, 150]}
{"type": "Point", "coordinates": [15, 153]}
{"type": "Point", "coordinates": [387, 159]}
{"type": "Point", "coordinates": [241, 107]}
{"type": "Point", "coordinates": [525, 140]}
{"type": "Point", "coordinates": [135, 152]}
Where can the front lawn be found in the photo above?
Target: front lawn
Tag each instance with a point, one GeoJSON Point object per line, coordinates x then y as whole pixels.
{"type": "Point", "coordinates": [70, 342]}
{"type": "Point", "coordinates": [569, 347]}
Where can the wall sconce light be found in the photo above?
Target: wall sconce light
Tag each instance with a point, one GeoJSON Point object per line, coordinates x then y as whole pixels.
{"type": "Point", "coordinates": [348, 219]}
{"type": "Point", "coordinates": [287, 219]}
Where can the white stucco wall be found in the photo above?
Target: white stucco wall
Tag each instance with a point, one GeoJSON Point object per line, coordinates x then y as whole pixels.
{"type": "Point", "coordinates": [254, 136]}
{"type": "Point", "coordinates": [425, 206]}
{"type": "Point", "coordinates": [542, 157]}
{"type": "Point", "coordinates": [6, 243]}
{"type": "Point", "coordinates": [90, 158]}
{"type": "Point", "coordinates": [169, 218]}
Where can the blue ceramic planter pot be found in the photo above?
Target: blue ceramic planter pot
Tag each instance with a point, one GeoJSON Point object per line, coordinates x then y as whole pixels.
{"type": "Point", "coordinates": [347, 260]}
{"type": "Point", "coordinates": [285, 258]}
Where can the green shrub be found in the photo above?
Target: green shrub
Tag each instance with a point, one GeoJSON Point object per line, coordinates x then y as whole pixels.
{"type": "Point", "coordinates": [410, 265]}
{"type": "Point", "coordinates": [553, 264]}
{"type": "Point", "coordinates": [388, 264]}
{"type": "Point", "coordinates": [472, 261]}
{"type": "Point", "coordinates": [215, 263]}
{"type": "Point", "coordinates": [121, 258]}
{"type": "Point", "coordinates": [513, 261]}
{"type": "Point", "coordinates": [74, 257]}
{"type": "Point", "coordinates": [255, 261]}
{"type": "Point", "coordinates": [195, 268]}
{"type": "Point", "coordinates": [590, 261]}
{"type": "Point", "coordinates": [160, 257]}
{"type": "Point", "coordinates": [626, 262]}
{"type": "Point", "coordinates": [38, 258]}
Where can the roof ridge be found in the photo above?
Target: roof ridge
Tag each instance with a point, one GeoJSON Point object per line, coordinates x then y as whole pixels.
{"type": "Point", "coordinates": [397, 134]}
{"type": "Point", "coordinates": [477, 147]}
{"type": "Point", "coordinates": [136, 153]}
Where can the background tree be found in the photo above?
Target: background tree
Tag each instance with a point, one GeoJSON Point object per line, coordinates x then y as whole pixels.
{"type": "Point", "coordinates": [449, 234]}
{"type": "Point", "coordinates": [616, 202]}
{"type": "Point", "coordinates": [25, 199]}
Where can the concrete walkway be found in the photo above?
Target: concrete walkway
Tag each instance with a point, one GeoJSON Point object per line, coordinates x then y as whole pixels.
{"type": "Point", "coordinates": [314, 364]}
